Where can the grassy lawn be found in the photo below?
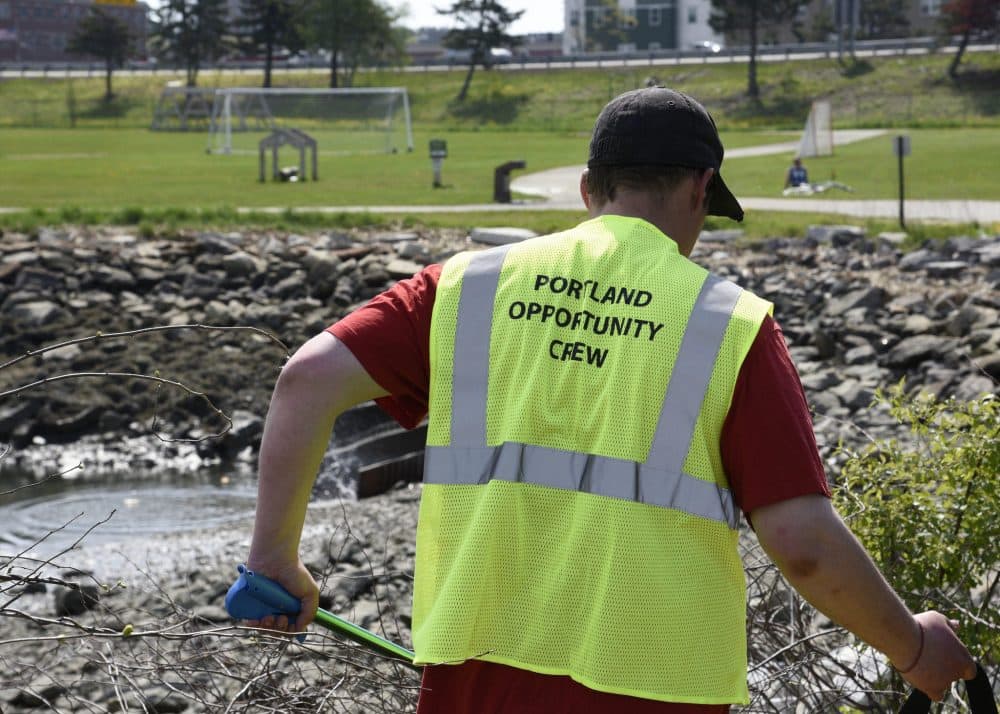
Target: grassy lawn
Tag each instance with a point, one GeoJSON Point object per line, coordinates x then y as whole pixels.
{"type": "Point", "coordinates": [107, 169]}
{"type": "Point", "coordinates": [113, 169]}
{"type": "Point", "coordinates": [945, 164]}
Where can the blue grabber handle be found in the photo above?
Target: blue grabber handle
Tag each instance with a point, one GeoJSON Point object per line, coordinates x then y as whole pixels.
{"type": "Point", "coordinates": [254, 596]}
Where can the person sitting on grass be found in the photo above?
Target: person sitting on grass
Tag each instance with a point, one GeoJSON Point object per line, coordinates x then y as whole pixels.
{"type": "Point", "coordinates": [797, 175]}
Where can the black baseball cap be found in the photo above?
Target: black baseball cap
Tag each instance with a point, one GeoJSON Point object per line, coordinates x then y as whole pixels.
{"type": "Point", "coordinates": [656, 126]}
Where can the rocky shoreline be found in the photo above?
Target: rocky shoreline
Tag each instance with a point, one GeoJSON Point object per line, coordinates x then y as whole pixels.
{"type": "Point", "coordinates": [859, 313]}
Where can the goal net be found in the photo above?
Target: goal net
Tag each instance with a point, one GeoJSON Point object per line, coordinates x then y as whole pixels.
{"type": "Point", "coordinates": [817, 137]}
{"type": "Point", "coordinates": [183, 109]}
{"type": "Point", "coordinates": [342, 121]}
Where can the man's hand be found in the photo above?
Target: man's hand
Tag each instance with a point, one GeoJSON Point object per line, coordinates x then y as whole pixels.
{"type": "Point", "coordinates": [297, 581]}
{"type": "Point", "coordinates": [941, 658]}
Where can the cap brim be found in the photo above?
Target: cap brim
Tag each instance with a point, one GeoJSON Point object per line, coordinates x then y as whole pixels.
{"type": "Point", "coordinates": [723, 201]}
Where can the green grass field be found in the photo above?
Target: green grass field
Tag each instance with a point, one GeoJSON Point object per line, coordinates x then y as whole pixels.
{"type": "Point", "coordinates": [112, 169]}
{"type": "Point", "coordinates": [112, 164]}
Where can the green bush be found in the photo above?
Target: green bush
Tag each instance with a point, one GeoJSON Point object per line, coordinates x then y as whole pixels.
{"type": "Point", "coordinates": [927, 507]}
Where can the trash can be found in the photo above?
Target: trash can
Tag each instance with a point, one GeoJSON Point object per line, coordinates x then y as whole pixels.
{"type": "Point", "coordinates": [501, 180]}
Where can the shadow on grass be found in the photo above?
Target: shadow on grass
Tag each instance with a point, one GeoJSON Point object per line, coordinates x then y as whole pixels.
{"type": "Point", "coordinates": [856, 68]}
{"type": "Point", "coordinates": [772, 109]}
{"type": "Point", "coordinates": [118, 107]}
{"type": "Point", "coordinates": [982, 87]}
{"type": "Point", "coordinates": [496, 106]}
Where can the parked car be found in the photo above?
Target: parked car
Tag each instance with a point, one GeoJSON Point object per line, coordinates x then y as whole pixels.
{"type": "Point", "coordinates": [708, 47]}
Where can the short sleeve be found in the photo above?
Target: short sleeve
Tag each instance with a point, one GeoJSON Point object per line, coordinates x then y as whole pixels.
{"type": "Point", "coordinates": [768, 444]}
{"type": "Point", "coordinates": [390, 337]}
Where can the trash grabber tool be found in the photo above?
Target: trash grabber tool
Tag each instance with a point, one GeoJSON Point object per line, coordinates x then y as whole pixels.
{"type": "Point", "coordinates": [255, 596]}
{"type": "Point", "coordinates": [978, 690]}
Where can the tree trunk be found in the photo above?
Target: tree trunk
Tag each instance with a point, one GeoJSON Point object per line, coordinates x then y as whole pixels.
{"type": "Point", "coordinates": [108, 69]}
{"type": "Point", "coordinates": [957, 59]}
{"type": "Point", "coordinates": [468, 80]}
{"type": "Point", "coordinates": [334, 69]}
{"type": "Point", "coordinates": [753, 89]}
{"type": "Point", "coordinates": [268, 62]}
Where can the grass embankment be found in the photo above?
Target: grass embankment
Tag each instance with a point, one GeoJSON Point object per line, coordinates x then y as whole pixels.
{"type": "Point", "coordinates": [112, 166]}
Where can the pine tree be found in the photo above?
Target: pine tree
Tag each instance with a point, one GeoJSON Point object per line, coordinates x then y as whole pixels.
{"type": "Point", "coordinates": [104, 36]}
{"type": "Point", "coordinates": [482, 25]}
{"type": "Point", "coordinates": [192, 32]}
{"type": "Point", "coordinates": [738, 16]}
{"type": "Point", "coordinates": [269, 24]}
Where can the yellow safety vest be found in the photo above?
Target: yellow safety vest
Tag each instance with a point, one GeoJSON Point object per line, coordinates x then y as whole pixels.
{"type": "Point", "coordinates": [576, 517]}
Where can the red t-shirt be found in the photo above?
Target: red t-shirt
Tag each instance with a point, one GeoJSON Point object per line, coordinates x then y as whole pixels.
{"type": "Point", "coordinates": [768, 449]}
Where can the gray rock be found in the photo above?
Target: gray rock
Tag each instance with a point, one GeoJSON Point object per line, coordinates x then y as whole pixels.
{"type": "Point", "coordinates": [917, 325]}
{"type": "Point", "coordinates": [859, 354]}
{"type": "Point", "coordinates": [868, 298]}
{"type": "Point", "coordinates": [975, 386]}
{"type": "Point", "coordinates": [239, 264]}
{"type": "Point", "coordinates": [402, 269]}
{"type": "Point", "coordinates": [500, 235]}
{"type": "Point", "coordinates": [77, 600]}
{"type": "Point", "coordinates": [837, 235]}
{"type": "Point", "coordinates": [946, 268]}
{"type": "Point", "coordinates": [919, 348]}
{"type": "Point", "coordinates": [917, 260]}
{"type": "Point", "coordinates": [37, 313]}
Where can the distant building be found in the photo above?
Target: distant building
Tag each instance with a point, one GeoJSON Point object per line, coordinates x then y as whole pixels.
{"type": "Point", "coordinates": [425, 45]}
{"type": "Point", "coordinates": [819, 20]}
{"type": "Point", "coordinates": [643, 25]}
{"type": "Point", "coordinates": [39, 30]}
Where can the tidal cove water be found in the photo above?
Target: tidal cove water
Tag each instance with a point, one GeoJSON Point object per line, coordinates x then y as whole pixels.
{"type": "Point", "coordinates": [47, 518]}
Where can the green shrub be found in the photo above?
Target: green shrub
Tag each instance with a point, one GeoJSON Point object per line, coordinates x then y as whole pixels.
{"type": "Point", "coordinates": [927, 507]}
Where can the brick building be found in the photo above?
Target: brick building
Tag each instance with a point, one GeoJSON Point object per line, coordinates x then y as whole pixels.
{"type": "Point", "coordinates": [39, 30]}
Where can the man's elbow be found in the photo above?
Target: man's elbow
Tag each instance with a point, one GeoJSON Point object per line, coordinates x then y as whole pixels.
{"type": "Point", "coordinates": [795, 533]}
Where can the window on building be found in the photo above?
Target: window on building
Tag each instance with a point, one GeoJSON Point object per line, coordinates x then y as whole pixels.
{"type": "Point", "coordinates": [931, 7]}
{"type": "Point", "coordinates": [655, 17]}
{"type": "Point", "coordinates": [4, 10]}
{"type": "Point", "coordinates": [574, 18]}
{"type": "Point", "coordinates": [627, 18]}
{"type": "Point", "coordinates": [692, 15]}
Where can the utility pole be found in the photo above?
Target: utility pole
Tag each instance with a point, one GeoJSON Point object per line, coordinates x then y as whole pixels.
{"type": "Point", "coordinates": [901, 147]}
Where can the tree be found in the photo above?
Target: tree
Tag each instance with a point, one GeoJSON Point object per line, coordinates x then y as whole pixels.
{"type": "Point", "coordinates": [607, 28]}
{"type": "Point", "coordinates": [104, 36]}
{"type": "Point", "coordinates": [482, 24]}
{"type": "Point", "coordinates": [965, 18]}
{"type": "Point", "coordinates": [353, 32]}
{"type": "Point", "coordinates": [739, 16]}
{"type": "Point", "coordinates": [269, 24]}
{"type": "Point", "coordinates": [884, 19]}
{"type": "Point", "coordinates": [192, 31]}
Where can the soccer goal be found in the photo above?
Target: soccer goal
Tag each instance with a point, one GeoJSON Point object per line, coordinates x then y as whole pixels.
{"type": "Point", "coordinates": [183, 109]}
{"type": "Point", "coordinates": [817, 137]}
{"type": "Point", "coordinates": [343, 121]}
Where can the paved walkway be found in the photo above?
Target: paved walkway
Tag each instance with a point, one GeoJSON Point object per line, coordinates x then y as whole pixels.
{"type": "Point", "coordinates": [560, 189]}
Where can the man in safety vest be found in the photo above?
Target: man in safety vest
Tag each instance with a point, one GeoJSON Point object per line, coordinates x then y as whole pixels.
{"type": "Point", "coordinates": [601, 409]}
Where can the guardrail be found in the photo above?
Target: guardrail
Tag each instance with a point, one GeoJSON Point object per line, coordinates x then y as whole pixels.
{"type": "Point", "coordinates": [600, 59]}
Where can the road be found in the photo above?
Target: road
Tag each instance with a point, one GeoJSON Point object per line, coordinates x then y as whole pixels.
{"type": "Point", "coordinates": [787, 53]}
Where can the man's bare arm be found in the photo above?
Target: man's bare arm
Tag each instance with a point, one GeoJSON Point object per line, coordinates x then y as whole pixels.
{"type": "Point", "coordinates": [826, 564]}
{"type": "Point", "coordinates": [319, 382]}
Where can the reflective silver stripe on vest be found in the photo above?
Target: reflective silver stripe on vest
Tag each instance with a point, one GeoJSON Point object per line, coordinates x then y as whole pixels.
{"type": "Point", "coordinates": [471, 372]}
{"type": "Point", "coordinates": [659, 481]}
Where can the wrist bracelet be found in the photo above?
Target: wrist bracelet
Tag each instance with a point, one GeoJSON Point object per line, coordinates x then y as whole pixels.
{"type": "Point", "coordinates": [920, 652]}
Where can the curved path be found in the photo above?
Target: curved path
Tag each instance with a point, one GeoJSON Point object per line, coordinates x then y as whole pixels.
{"type": "Point", "coordinates": [560, 188]}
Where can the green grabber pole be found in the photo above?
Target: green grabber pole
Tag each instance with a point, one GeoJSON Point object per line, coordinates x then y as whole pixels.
{"type": "Point", "coordinates": [253, 597]}
{"type": "Point", "coordinates": [362, 636]}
